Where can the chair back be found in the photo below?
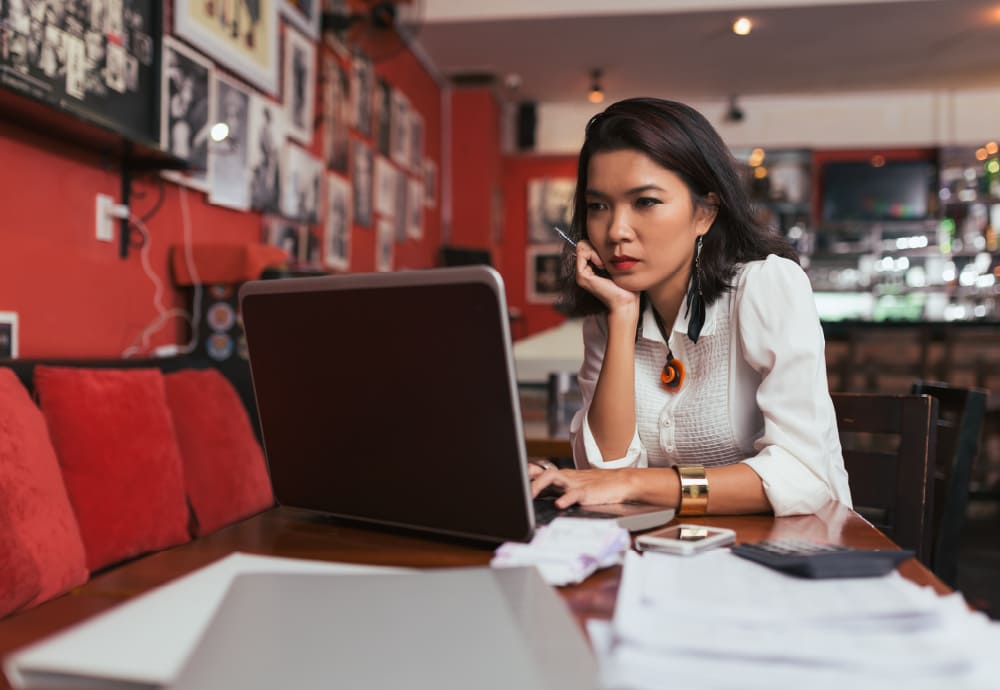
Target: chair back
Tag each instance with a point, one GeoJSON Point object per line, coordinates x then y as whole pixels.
{"type": "Point", "coordinates": [888, 443]}
{"type": "Point", "coordinates": [960, 421]}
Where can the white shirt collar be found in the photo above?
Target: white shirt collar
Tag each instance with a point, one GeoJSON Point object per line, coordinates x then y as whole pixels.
{"type": "Point", "coordinates": [651, 332]}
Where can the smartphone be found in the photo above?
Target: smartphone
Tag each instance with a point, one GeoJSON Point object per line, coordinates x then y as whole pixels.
{"type": "Point", "coordinates": [685, 540]}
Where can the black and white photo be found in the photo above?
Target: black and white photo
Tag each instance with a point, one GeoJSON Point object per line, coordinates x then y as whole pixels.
{"type": "Point", "coordinates": [544, 261]}
{"type": "Point", "coordinates": [287, 235]}
{"type": "Point", "coordinates": [362, 87]}
{"type": "Point", "coordinates": [550, 204]}
{"type": "Point", "coordinates": [337, 235]}
{"type": "Point", "coordinates": [335, 106]}
{"type": "Point", "coordinates": [8, 335]}
{"type": "Point", "coordinates": [402, 201]}
{"type": "Point", "coordinates": [399, 141]}
{"type": "Point", "coordinates": [385, 187]}
{"type": "Point", "coordinates": [415, 208]}
{"type": "Point", "coordinates": [266, 138]}
{"type": "Point", "coordinates": [383, 115]}
{"type": "Point", "coordinates": [430, 183]}
{"type": "Point", "coordinates": [361, 178]}
{"type": "Point", "coordinates": [186, 110]}
{"type": "Point", "coordinates": [229, 171]}
{"type": "Point", "coordinates": [416, 141]}
{"type": "Point", "coordinates": [299, 86]}
{"type": "Point", "coordinates": [384, 244]}
{"type": "Point", "coordinates": [301, 179]}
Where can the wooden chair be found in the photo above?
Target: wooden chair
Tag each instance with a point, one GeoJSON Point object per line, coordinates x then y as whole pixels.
{"type": "Point", "coordinates": [960, 422]}
{"type": "Point", "coordinates": [888, 443]}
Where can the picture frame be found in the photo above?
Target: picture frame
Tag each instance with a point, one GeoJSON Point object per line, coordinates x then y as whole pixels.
{"type": "Point", "coordinates": [544, 262]}
{"type": "Point", "coordinates": [304, 15]}
{"type": "Point", "coordinates": [430, 183]}
{"type": "Point", "coordinates": [8, 335]}
{"type": "Point", "coordinates": [299, 86]}
{"type": "Point", "coordinates": [415, 209]}
{"type": "Point", "coordinates": [301, 184]}
{"type": "Point", "coordinates": [267, 136]}
{"type": "Point", "coordinates": [362, 176]}
{"type": "Point", "coordinates": [286, 234]}
{"type": "Point", "coordinates": [385, 187]}
{"type": "Point", "coordinates": [362, 97]}
{"type": "Point", "coordinates": [335, 111]}
{"type": "Point", "coordinates": [229, 169]}
{"type": "Point", "coordinates": [337, 230]}
{"type": "Point", "coordinates": [244, 43]}
{"type": "Point", "coordinates": [550, 204]}
{"type": "Point", "coordinates": [385, 241]}
{"type": "Point", "coordinates": [187, 111]}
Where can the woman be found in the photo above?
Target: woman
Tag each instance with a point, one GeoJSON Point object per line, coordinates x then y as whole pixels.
{"type": "Point", "coordinates": [704, 373]}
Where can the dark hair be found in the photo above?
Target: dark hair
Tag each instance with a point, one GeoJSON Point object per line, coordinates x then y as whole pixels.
{"type": "Point", "coordinates": [680, 139]}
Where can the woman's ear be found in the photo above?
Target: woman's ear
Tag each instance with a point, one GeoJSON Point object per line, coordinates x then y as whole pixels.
{"type": "Point", "coordinates": [706, 212]}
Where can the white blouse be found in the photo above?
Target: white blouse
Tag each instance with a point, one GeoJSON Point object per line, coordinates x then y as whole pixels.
{"type": "Point", "coordinates": [755, 391]}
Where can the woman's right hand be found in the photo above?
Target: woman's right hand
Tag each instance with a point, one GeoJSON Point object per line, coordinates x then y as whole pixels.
{"type": "Point", "coordinates": [600, 283]}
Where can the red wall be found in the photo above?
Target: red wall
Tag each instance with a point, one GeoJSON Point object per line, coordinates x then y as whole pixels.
{"type": "Point", "coordinates": [75, 297]}
{"type": "Point", "coordinates": [517, 171]}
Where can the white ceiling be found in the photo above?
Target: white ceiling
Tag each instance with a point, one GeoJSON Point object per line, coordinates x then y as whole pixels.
{"type": "Point", "coordinates": [684, 49]}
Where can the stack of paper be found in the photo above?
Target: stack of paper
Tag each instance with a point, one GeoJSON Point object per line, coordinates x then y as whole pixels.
{"type": "Point", "coordinates": [719, 621]}
{"type": "Point", "coordinates": [567, 550]}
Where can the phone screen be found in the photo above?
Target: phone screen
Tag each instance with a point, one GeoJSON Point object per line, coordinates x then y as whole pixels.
{"type": "Point", "coordinates": [684, 533]}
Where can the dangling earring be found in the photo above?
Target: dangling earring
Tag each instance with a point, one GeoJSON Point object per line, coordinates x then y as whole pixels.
{"type": "Point", "coordinates": [695, 299]}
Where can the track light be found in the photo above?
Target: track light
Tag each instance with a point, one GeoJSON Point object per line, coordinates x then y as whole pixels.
{"type": "Point", "coordinates": [596, 94]}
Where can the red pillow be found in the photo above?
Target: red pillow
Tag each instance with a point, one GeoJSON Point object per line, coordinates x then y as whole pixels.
{"type": "Point", "coordinates": [41, 554]}
{"type": "Point", "coordinates": [224, 468]}
{"type": "Point", "coordinates": [115, 440]}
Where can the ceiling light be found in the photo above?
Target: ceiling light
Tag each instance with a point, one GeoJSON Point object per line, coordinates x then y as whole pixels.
{"type": "Point", "coordinates": [742, 26]}
{"type": "Point", "coordinates": [596, 94]}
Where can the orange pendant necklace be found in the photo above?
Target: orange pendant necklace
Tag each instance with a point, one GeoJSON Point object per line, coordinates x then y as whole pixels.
{"type": "Point", "coordinates": [672, 374]}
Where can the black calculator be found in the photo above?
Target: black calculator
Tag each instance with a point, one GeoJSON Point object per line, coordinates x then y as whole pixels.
{"type": "Point", "coordinates": [816, 561]}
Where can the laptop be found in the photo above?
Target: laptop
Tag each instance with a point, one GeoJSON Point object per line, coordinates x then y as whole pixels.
{"type": "Point", "coordinates": [391, 398]}
{"type": "Point", "coordinates": [482, 628]}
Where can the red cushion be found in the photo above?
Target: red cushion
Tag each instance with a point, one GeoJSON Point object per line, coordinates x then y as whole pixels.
{"type": "Point", "coordinates": [115, 440]}
{"type": "Point", "coordinates": [41, 554]}
{"type": "Point", "coordinates": [224, 468]}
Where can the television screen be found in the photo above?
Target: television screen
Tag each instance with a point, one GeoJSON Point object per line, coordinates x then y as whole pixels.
{"type": "Point", "coordinates": [896, 190]}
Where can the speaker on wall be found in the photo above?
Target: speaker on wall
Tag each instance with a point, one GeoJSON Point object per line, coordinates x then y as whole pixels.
{"type": "Point", "coordinates": [527, 119]}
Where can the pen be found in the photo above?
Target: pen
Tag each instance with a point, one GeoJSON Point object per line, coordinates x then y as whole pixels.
{"type": "Point", "coordinates": [564, 235]}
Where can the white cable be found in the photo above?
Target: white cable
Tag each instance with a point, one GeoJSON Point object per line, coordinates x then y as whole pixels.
{"type": "Point", "coordinates": [193, 270]}
{"type": "Point", "coordinates": [162, 313]}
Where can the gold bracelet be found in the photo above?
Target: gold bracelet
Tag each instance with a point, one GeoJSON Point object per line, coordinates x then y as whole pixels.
{"type": "Point", "coordinates": [694, 489]}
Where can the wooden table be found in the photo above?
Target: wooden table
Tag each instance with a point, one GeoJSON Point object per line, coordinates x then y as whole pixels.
{"type": "Point", "coordinates": [298, 534]}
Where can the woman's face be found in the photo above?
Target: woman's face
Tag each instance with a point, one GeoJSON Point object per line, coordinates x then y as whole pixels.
{"type": "Point", "coordinates": [642, 222]}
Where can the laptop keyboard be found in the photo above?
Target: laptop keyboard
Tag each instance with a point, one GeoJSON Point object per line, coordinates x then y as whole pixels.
{"type": "Point", "coordinates": [546, 512]}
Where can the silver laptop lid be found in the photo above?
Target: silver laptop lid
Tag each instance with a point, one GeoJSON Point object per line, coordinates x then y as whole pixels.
{"type": "Point", "coordinates": [391, 398]}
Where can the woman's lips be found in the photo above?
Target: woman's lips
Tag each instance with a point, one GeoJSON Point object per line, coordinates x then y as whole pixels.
{"type": "Point", "coordinates": [623, 263]}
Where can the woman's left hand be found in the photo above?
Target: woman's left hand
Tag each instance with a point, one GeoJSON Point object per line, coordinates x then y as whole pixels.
{"type": "Point", "coordinates": [586, 487]}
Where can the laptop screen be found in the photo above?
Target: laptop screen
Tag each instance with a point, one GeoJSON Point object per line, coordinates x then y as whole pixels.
{"type": "Point", "coordinates": [391, 398]}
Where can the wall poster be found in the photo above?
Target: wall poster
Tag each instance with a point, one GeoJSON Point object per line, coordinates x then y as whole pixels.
{"type": "Point", "coordinates": [99, 61]}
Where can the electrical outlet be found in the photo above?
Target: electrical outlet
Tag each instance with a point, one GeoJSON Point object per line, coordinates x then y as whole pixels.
{"type": "Point", "coordinates": [104, 221]}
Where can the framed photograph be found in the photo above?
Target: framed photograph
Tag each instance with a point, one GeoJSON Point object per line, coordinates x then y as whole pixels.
{"type": "Point", "coordinates": [301, 180]}
{"type": "Point", "coordinates": [402, 201]}
{"type": "Point", "coordinates": [362, 85]}
{"type": "Point", "coordinates": [267, 135]}
{"type": "Point", "coordinates": [415, 208]}
{"type": "Point", "coordinates": [416, 142]}
{"type": "Point", "coordinates": [399, 142]}
{"type": "Point", "coordinates": [383, 116]}
{"type": "Point", "coordinates": [550, 204]}
{"type": "Point", "coordinates": [544, 261]}
{"type": "Point", "coordinates": [385, 187]}
{"type": "Point", "coordinates": [430, 183]}
{"type": "Point", "coordinates": [229, 169]}
{"type": "Point", "coordinates": [384, 244]}
{"type": "Point", "coordinates": [335, 108]}
{"type": "Point", "coordinates": [187, 101]}
{"type": "Point", "coordinates": [286, 235]}
{"type": "Point", "coordinates": [361, 177]}
{"type": "Point", "coordinates": [299, 86]}
{"type": "Point", "coordinates": [310, 258]}
{"type": "Point", "coordinates": [304, 15]}
{"type": "Point", "coordinates": [242, 36]}
{"type": "Point", "coordinates": [337, 233]}
{"type": "Point", "coordinates": [8, 335]}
